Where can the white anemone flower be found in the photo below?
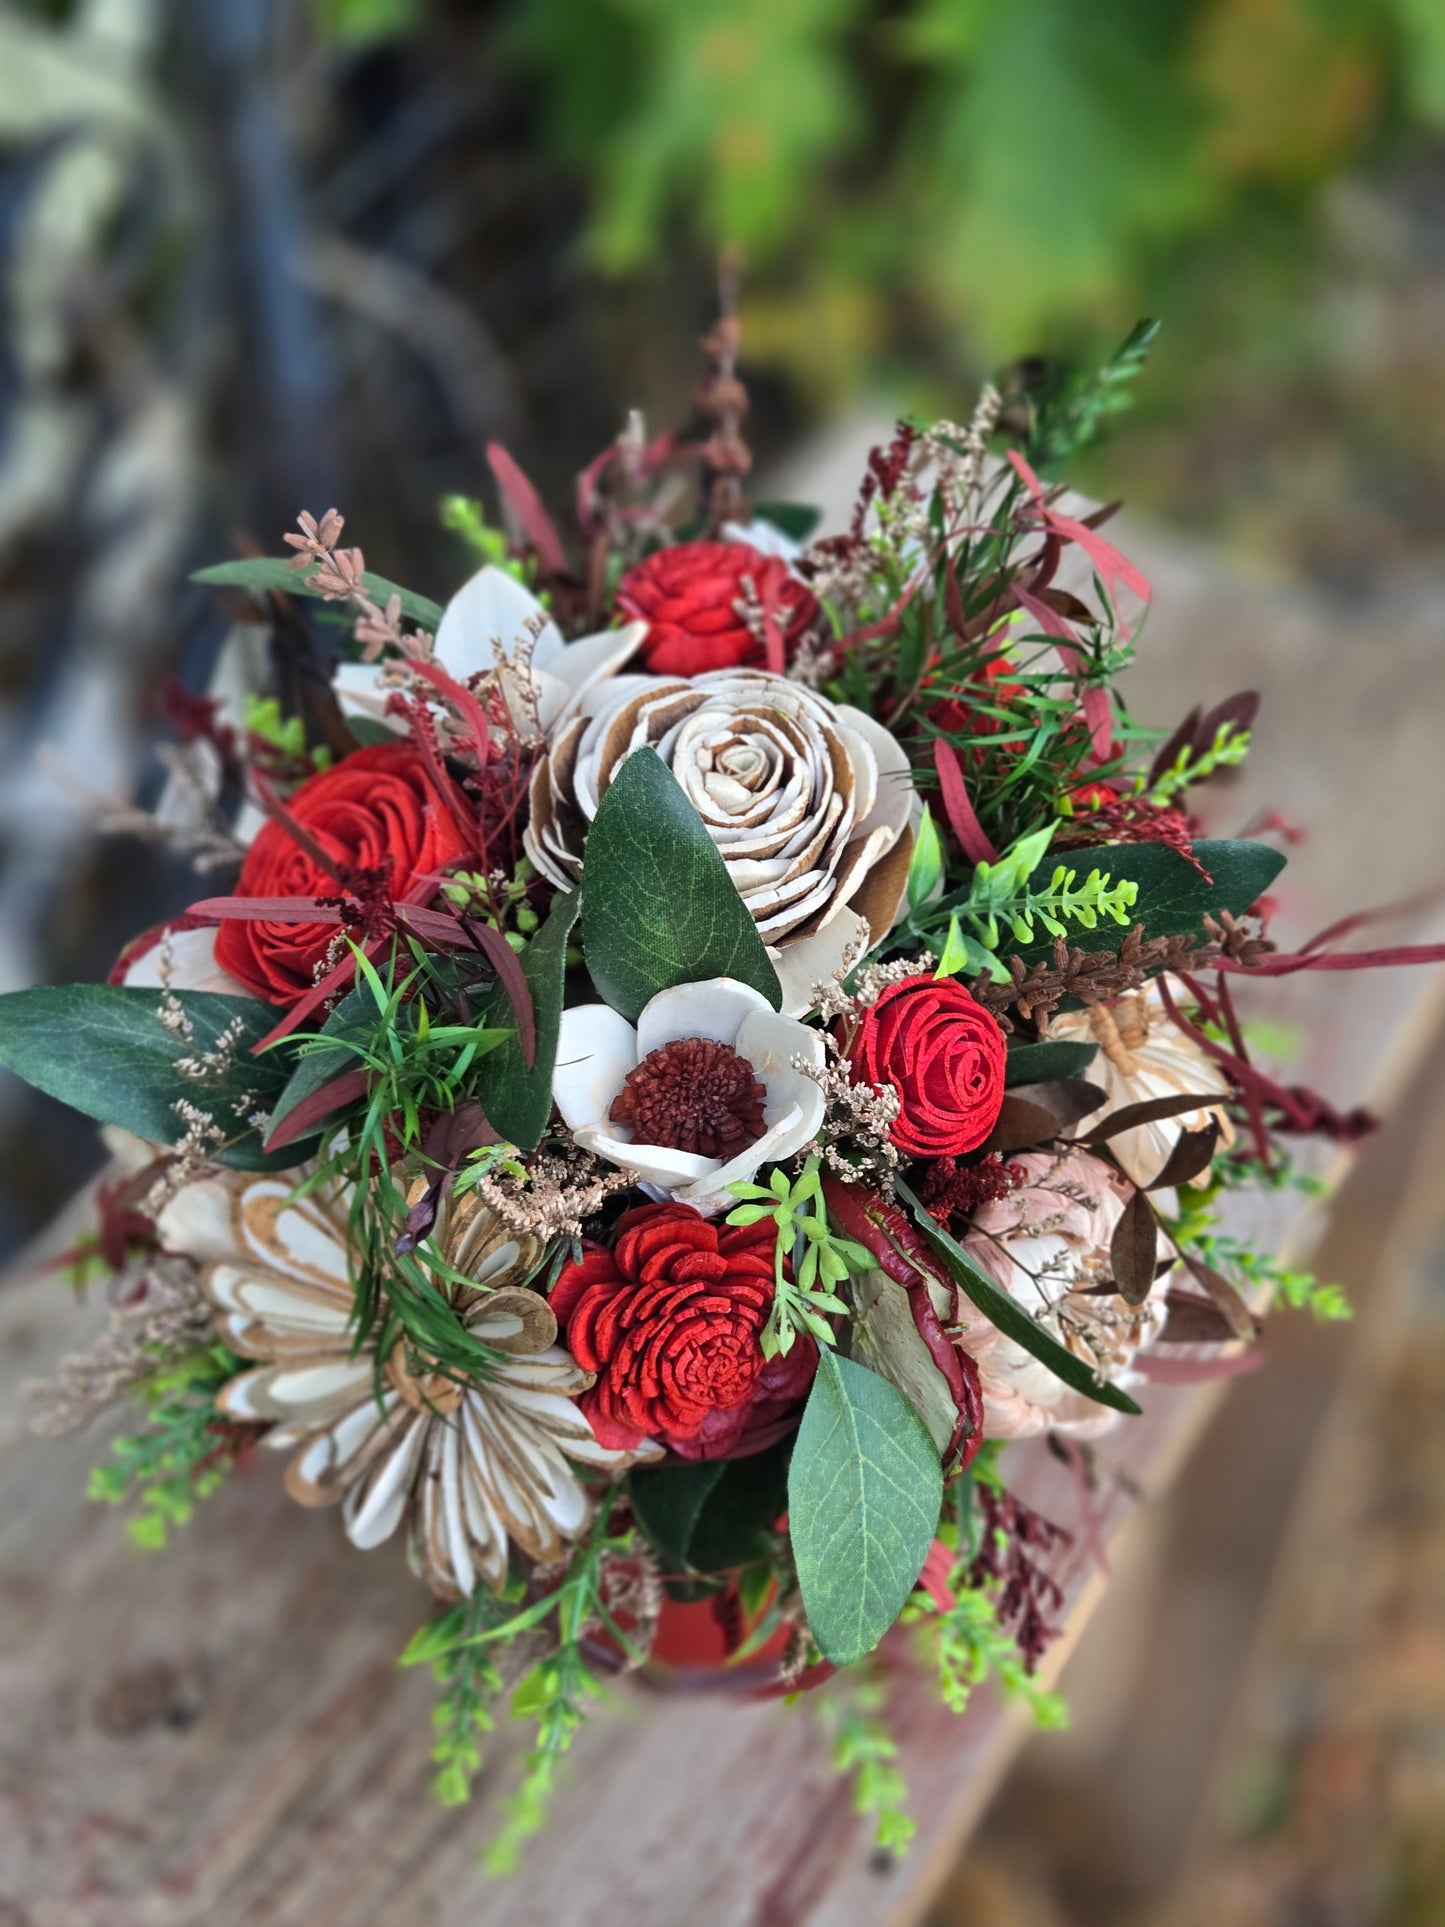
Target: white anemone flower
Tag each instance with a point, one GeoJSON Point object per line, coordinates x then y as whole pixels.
{"type": "Point", "coordinates": [706, 1088]}
{"type": "Point", "coordinates": [490, 623]}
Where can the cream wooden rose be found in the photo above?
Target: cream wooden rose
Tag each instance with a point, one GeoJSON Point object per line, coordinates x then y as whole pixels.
{"type": "Point", "coordinates": [809, 801]}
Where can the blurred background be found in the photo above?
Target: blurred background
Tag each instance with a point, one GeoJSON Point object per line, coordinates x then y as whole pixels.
{"type": "Point", "coordinates": [259, 255]}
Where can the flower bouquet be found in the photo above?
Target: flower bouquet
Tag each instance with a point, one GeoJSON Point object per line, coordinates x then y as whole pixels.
{"type": "Point", "coordinates": [713, 1032]}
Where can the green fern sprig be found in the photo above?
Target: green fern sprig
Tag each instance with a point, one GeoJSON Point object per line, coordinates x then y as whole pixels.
{"type": "Point", "coordinates": [1229, 748]}
{"type": "Point", "coordinates": [180, 1456]}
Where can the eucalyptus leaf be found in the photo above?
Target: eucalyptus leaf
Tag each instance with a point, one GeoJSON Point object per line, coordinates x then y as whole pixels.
{"type": "Point", "coordinates": [864, 1493]}
{"type": "Point", "coordinates": [102, 1049]}
{"type": "Point", "coordinates": [658, 905]}
{"type": "Point", "coordinates": [1005, 1312]}
{"type": "Point", "coordinates": [265, 572]}
{"type": "Point", "coordinates": [518, 1101]}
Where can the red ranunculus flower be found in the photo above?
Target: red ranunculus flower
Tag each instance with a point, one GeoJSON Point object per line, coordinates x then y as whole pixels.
{"type": "Point", "coordinates": [943, 1054]}
{"type": "Point", "coordinates": [671, 1321]}
{"type": "Point", "coordinates": [374, 811]}
{"type": "Point", "coordinates": [689, 596]}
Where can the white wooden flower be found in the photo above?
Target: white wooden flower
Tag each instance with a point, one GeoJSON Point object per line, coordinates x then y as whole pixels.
{"type": "Point", "coordinates": [702, 1092]}
{"type": "Point", "coordinates": [1046, 1243]}
{"type": "Point", "coordinates": [1143, 1055]}
{"type": "Point", "coordinates": [810, 803]}
{"type": "Point", "coordinates": [493, 620]}
{"type": "Point", "coordinates": [470, 1467]}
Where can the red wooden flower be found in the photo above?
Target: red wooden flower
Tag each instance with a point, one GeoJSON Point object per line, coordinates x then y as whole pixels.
{"type": "Point", "coordinates": [671, 1320]}
{"type": "Point", "coordinates": [374, 814]}
{"type": "Point", "coordinates": [691, 597]}
{"type": "Point", "coordinates": [943, 1054]}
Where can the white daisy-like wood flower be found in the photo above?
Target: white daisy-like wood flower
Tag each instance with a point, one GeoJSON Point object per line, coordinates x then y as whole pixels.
{"type": "Point", "coordinates": [710, 1085]}
{"type": "Point", "coordinates": [1144, 1055]}
{"type": "Point", "coordinates": [809, 801]}
{"type": "Point", "coordinates": [472, 1468]}
{"type": "Point", "coordinates": [492, 622]}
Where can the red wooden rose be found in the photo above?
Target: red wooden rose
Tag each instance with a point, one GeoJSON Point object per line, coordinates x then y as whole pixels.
{"type": "Point", "coordinates": [943, 1054]}
{"type": "Point", "coordinates": [690, 596]}
{"type": "Point", "coordinates": [671, 1320]}
{"type": "Point", "coordinates": [375, 811]}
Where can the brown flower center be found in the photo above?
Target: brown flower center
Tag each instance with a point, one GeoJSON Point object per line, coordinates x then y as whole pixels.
{"type": "Point", "coordinates": [693, 1095]}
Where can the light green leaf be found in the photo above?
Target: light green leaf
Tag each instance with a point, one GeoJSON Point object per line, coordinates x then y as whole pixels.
{"type": "Point", "coordinates": [658, 905]}
{"type": "Point", "coordinates": [925, 869]}
{"type": "Point", "coordinates": [864, 1493]}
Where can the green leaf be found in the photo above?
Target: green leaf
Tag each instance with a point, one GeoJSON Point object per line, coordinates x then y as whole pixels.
{"type": "Point", "coordinates": [354, 1017]}
{"type": "Point", "coordinates": [925, 868]}
{"type": "Point", "coordinates": [709, 1516]}
{"type": "Point", "coordinates": [103, 1050]}
{"type": "Point", "coordinates": [796, 520]}
{"type": "Point", "coordinates": [518, 1101]}
{"type": "Point", "coordinates": [658, 905]}
{"type": "Point", "coordinates": [274, 572]}
{"type": "Point", "coordinates": [864, 1495]}
{"type": "Point", "coordinates": [1009, 1316]}
{"type": "Point", "coordinates": [1046, 1063]}
{"type": "Point", "coordinates": [1174, 898]}
{"type": "Point", "coordinates": [668, 1501]}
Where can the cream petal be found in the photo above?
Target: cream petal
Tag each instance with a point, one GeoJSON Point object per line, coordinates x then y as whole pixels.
{"type": "Point", "coordinates": [489, 615]}
{"type": "Point", "coordinates": [361, 691]}
{"type": "Point", "coordinates": [189, 960]}
{"type": "Point", "coordinates": [657, 1163]}
{"type": "Point", "coordinates": [578, 667]}
{"type": "Point", "coordinates": [817, 959]}
{"type": "Point", "coordinates": [198, 1221]}
{"type": "Point", "coordinates": [284, 1305]}
{"type": "Point", "coordinates": [893, 803]}
{"type": "Point", "coordinates": [715, 1007]}
{"type": "Point", "coordinates": [374, 1510]}
{"type": "Point", "coordinates": [596, 1048]}
{"type": "Point", "coordinates": [791, 1132]}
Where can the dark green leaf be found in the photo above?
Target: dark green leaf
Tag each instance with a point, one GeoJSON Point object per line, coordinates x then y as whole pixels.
{"type": "Point", "coordinates": [1043, 1063]}
{"type": "Point", "coordinates": [797, 520]}
{"type": "Point", "coordinates": [1174, 898]}
{"type": "Point", "coordinates": [658, 905]}
{"type": "Point", "coordinates": [518, 1101]}
{"type": "Point", "coordinates": [103, 1050]}
{"type": "Point", "coordinates": [265, 572]}
{"type": "Point", "coordinates": [750, 1497]}
{"type": "Point", "coordinates": [709, 1517]}
{"type": "Point", "coordinates": [668, 1501]}
{"type": "Point", "coordinates": [1004, 1311]}
{"type": "Point", "coordinates": [864, 1494]}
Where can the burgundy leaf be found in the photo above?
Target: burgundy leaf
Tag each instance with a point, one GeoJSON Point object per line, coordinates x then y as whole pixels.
{"type": "Point", "coordinates": [1149, 1112]}
{"type": "Point", "coordinates": [1194, 1371]}
{"type": "Point", "coordinates": [1194, 1321]}
{"type": "Point", "coordinates": [1190, 1156]}
{"type": "Point", "coordinates": [267, 909]}
{"type": "Point", "coordinates": [513, 980]}
{"type": "Point", "coordinates": [526, 505]}
{"type": "Point", "coordinates": [302, 1119]}
{"type": "Point", "coordinates": [1021, 1125]}
{"type": "Point", "coordinates": [1236, 1312]}
{"type": "Point", "coordinates": [1134, 1250]}
{"type": "Point", "coordinates": [962, 821]}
